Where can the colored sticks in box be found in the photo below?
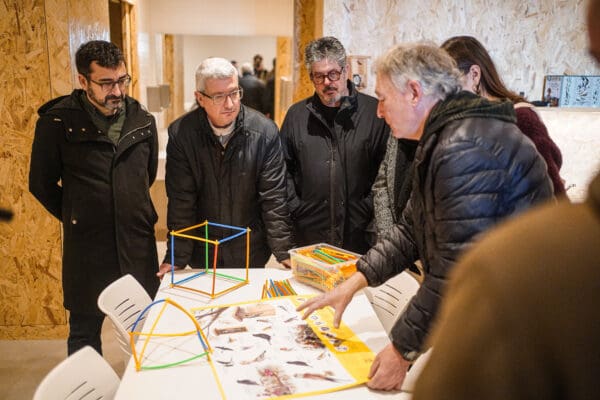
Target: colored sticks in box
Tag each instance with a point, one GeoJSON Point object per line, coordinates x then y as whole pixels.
{"type": "Point", "coordinates": [322, 265]}
{"type": "Point", "coordinates": [273, 288]}
{"type": "Point", "coordinates": [327, 255]}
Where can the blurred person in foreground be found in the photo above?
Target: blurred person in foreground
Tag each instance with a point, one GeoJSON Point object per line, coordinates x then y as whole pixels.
{"type": "Point", "coordinates": [520, 319]}
{"type": "Point", "coordinates": [481, 77]}
{"type": "Point", "coordinates": [94, 157]}
{"type": "Point", "coordinates": [225, 165]}
{"type": "Point", "coordinates": [473, 168]}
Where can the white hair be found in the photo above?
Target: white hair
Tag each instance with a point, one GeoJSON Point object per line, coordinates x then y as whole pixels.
{"type": "Point", "coordinates": [423, 62]}
{"type": "Point", "coordinates": [247, 68]}
{"type": "Point", "coordinates": [213, 68]}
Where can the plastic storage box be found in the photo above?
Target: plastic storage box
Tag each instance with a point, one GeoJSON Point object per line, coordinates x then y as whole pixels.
{"type": "Point", "coordinates": [322, 265]}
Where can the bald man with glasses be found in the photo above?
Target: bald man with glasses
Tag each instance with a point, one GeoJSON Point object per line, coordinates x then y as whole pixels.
{"type": "Point", "coordinates": [94, 157]}
{"type": "Point", "coordinates": [225, 165]}
{"type": "Point", "coordinates": [333, 143]}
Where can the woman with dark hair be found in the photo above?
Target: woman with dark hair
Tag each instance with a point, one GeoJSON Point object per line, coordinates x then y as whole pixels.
{"type": "Point", "coordinates": [481, 77]}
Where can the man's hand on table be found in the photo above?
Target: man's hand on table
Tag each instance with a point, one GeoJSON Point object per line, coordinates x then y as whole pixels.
{"type": "Point", "coordinates": [337, 298]}
{"type": "Point", "coordinates": [388, 370]}
{"type": "Point", "coordinates": [164, 269]}
{"type": "Point", "coordinates": [287, 263]}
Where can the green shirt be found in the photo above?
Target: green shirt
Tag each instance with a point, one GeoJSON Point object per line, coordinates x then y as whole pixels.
{"type": "Point", "coordinates": [110, 125]}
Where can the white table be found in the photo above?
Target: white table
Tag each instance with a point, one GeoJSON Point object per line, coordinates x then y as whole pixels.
{"type": "Point", "coordinates": [195, 379]}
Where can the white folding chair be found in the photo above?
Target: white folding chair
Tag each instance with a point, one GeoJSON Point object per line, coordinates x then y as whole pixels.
{"type": "Point", "coordinates": [123, 301]}
{"type": "Point", "coordinates": [83, 375]}
{"type": "Point", "coordinates": [391, 298]}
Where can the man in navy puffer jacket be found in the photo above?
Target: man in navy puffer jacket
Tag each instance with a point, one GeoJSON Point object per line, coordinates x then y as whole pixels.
{"type": "Point", "coordinates": [472, 169]}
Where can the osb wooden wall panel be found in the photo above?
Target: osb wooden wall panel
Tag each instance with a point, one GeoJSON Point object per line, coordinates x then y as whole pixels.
{"type": "Point", "coordinates": [178, 89]}
{"type": "Point", "coordinates": [308, 25]}
{"type": "Point", "coordinates": [130, 45]}
{"type": "Point", "coordinates": [59, 60]}
{"type": "Point", "coordinates": [88, 20]}
{"type": "Point", "coordinates": [526, 39]}
{"type": "Point", "coordinates": [173, 76]}
{"type": "Point", "coordinates": [283, 69]}
{"type": "Point", "coordinates": [35, 46]}
{"type": "Point", "coordinates": [30, 282]}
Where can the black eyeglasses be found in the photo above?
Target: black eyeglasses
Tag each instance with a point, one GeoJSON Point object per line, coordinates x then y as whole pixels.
{"type": "Point", "coordinates": [219, 99]}
{"type": "Point", "coordinates": [108, 86]}
{"type": "Point", "coordinates": [333, 76]}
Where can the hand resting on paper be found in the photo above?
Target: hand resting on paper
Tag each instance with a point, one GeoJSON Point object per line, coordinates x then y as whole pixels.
{"type": "Point", "coordinates": [388, 370]}
{"type": "Point", "coordinates": [337, 298]}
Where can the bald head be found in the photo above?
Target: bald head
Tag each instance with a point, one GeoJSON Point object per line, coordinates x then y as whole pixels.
{"type": "Point", "coordinates": [593, 25]}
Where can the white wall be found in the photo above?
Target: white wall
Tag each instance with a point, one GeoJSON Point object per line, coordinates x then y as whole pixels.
{"type": "Point", "coordinates": [242, 49]}
{"type": "Point", "coordinates": [526, 38]}
{"type": "Point", "coordinates": [222, 17]}
{"type": "Point", "coordinates": [575, 132]}
{"type": "Point", "coordinates": [150, 57]}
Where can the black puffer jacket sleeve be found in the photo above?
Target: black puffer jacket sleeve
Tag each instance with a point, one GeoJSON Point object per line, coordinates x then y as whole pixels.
{"type": "Point", "coordinates": [471, 183]}
{"type": "Point", "coordinates": [181, 191]}
{"type": "Point", "coordinates": [272, 194]}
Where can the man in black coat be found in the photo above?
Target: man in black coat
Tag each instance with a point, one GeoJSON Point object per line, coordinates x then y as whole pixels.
{"type": "Point", "coordinates": [254, 89]}
{"type": "Point", "coordinates": [225, 165]}
{"type": "Point", "coordinates": [94, 157]}
{"type": "Point", "coordinates": [333, 143]}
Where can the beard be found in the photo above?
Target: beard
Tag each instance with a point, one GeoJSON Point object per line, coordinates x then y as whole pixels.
{"type": "Point", "coordinates": [110, 102]}
{"type": "Point", "coordinates": [331, 98]}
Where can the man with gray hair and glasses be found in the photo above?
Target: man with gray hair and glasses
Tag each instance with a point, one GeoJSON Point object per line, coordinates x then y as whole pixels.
{"type": "Point", "coordinates": [225, 165]}
{"type": "Point", "coordinates": [333, 143]}
{"type": "Point", "coordinates": [473, 169]}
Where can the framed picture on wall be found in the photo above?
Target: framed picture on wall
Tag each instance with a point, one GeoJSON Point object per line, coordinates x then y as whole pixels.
{"type": "Point", "coordinates": [552, 86]}
{"type": "Point", "coordinates": [580, 91]}
{"type": "Point", "coordinates": [572, 90]}
{"type": "Point", "coordinates": [358, 70]}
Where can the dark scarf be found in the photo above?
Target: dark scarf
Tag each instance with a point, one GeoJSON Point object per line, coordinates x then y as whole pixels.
{"type": "Point", "coordinates": [466, 105]}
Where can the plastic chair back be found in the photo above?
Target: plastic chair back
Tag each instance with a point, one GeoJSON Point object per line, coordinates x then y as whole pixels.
{"type": "Point", "coordinates": [123, 301]}
{"type": "Point", "coordinates": [83, 375]}
{"type": "Point", "coordinates": [391, 298]}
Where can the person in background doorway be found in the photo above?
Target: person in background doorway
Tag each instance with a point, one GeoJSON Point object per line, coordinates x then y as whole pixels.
{"type": "Point", "coordinates": [259, 70]}
{"type": "Point", "coordinates": [235, 65]}
{"type": "Point", "coordinates": [333, 143]}
{"type": "Point", "coordinates": [269, 101]}
{"type": "Point", "coordinates": [254, 89]}
{"type": "Point", "coordinates": [520, 319]}
{"type": "Point", "coordinates": [225, 165]}
{"type": "Point", "coordinates": [481, 77]}
{"type": "Point", "coordinates": [94, 157]}
{"type": "Point", "coordinates": [473, 168]}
